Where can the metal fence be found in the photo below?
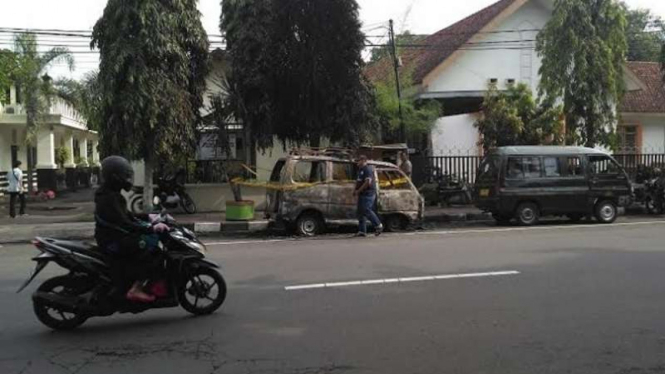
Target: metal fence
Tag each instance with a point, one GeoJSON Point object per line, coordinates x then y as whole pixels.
{"type": "Point", "coordinates": [4, 183]}
{"type": "Point", "coordinates": [429, 168]}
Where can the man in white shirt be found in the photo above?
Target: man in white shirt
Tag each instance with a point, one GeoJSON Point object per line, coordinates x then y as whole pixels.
{"type": "Point", "coordinates": [15, 189]}
{"type": "Point", "coordinates": [405, 165]}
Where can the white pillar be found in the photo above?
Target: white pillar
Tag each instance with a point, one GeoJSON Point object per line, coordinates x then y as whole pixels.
{"type": "Point", "coordinates": [69, 146]}
{"type": "Point", "coordinates": [83, 151]}
{"type": "Point", "coordinates": [95, 152]}
{"type": "Point", "coordinates": [46, 149]}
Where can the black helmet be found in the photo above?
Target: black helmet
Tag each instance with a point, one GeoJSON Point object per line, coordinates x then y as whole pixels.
{"type": "Point", "coordinates": [117, 173]}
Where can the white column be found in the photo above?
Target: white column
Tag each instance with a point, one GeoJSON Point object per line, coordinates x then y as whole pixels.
{"type": "Point", "coordinates": [83, 151]}
{"type": "Point", "coordinates": [69, 146]}
{"type": "Point", "coordinates": [46, 149]}
{"type": "Point", "coordinates": [95, 152]}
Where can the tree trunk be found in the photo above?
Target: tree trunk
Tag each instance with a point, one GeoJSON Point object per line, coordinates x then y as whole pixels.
{"type": "Point", "coordinates": [147, 184]}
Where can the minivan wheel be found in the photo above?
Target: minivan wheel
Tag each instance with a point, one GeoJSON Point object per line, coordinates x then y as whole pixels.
{"type": "Point", "coordinates": [527, 214]}
{"type": "Point", "coordinates": [309, 224]}
{"type": "Point", "coordinates": [606, 211]}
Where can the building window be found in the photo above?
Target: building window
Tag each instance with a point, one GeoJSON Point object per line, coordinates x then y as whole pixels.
{"type": "Point", "coordinates": [627, 136]}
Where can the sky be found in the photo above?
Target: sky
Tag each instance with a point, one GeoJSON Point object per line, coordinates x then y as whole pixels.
{"type": "Point", "coordinates": [417, 16]}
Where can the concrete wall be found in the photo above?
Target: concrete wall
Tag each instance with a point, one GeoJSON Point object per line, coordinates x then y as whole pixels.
{"type": "Point", "coordinates": [653, 130]}
{"type": "Point", "coordinates": [472, 70]}
{"type": "Point", "coordinates": [212, 197]}
{"type": "Point", "coordinates": [456, 136]}
{"type": "Point", "coordinates": [6, 143]}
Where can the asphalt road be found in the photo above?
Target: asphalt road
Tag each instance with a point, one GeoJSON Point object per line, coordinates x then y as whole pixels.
{"type": "Point", "coordinates": [550, 299]}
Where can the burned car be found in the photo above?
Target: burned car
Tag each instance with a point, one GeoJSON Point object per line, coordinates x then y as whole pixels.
{"type": "Point", "coordinates": [311, 193]}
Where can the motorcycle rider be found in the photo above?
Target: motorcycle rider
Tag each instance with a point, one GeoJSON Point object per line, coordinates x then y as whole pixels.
{"type": "Point", "coordinates": [129, 240]}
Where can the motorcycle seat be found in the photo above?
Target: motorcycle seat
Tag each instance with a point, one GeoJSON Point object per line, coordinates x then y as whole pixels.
{"type": "Point", "coordinates": [81, 247]}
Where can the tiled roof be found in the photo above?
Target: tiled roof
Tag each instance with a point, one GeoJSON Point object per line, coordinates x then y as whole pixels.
{"type": "Point", "coordinates": [439, 46]}
{"type": "Point", "coordinates": [652, 98]}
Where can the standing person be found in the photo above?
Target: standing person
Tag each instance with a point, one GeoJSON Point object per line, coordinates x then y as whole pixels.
{"type": "Point", "coordinates": [366, 193]}
{"type": "Point", "coordinates": [15, 189]}
{"type": "Point", "coordinates": [405, 165]}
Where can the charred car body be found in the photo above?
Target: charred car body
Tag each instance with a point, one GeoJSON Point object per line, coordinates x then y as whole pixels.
{"type": "Point", "coordinates": [310, 193]}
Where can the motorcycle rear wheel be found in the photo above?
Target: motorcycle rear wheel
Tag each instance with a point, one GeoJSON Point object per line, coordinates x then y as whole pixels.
{"type": "Point", "coordinates": [53, 317]}
{"type": "Point", "coordinates": [202, 284]}
{"type": "Point", "coordinates": [188, 204]}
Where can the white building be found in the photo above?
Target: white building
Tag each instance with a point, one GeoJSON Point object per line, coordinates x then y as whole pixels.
{"type": "Point", "coordinates": [497, 45]}
{"type": "Point", "coordinates": [61, 127]}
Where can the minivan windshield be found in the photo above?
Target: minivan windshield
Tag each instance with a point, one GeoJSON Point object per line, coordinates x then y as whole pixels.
{"type": "Point", "coordinates": [489, 169]}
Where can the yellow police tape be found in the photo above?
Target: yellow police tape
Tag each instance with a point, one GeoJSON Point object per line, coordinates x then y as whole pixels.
{"type": "Point", "coordinates": [277, 186]}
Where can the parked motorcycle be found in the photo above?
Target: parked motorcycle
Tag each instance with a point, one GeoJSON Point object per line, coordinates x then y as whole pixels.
{"type": "Point", "coordinates": [65, 302]}
{"type": "Point", "coordinates": [169, 193]}
{"type": "Point", "coordinates": [447, 189]}
{"type": "Point", "coordinates": [650, 189]}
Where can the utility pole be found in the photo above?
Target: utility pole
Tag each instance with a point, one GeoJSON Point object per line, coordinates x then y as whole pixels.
{"type": "Point", "coordinates": [393, 52]}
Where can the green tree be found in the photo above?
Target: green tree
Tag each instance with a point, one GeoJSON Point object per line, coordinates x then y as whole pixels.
{"type": "Point", "coordinates": [7, 67]}
{"type": "Point", "coordinates": [583, 48]}
{"type": "Point", "coordinates": [405, 38]}
{"type": "Point", "coordinates": [515, 117]}
{"type": "Point", "coordinates": [644, 34]}
{"type": "Point", "coordinates": [85, 96]}
{"type": "Point", "coordinates": [37, 87]}
{"type": "Point", "coordinates": [419, 116]}
{"type": "Point", "coordinates": [297, 70]}
{"type": "Point", "coordinates": [153, 64]}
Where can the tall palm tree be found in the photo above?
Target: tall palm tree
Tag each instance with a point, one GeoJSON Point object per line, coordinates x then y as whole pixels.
{"type": "Point", "coordinates": [37, 88]}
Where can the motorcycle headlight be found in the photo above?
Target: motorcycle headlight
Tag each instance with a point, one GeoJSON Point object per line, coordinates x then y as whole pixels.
{"type": "Point", "coordinates": [188, 232]}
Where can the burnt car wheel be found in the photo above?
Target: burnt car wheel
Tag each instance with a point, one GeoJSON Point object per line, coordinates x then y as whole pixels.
{"type": "Point", "coordinates": [309, 224]}
{"type": "Point", "coordinates": [396, 222]}
{"type": "Point", "coordinates": [606, 211]}
{"type": "Point", "coordinates": [527, 214]}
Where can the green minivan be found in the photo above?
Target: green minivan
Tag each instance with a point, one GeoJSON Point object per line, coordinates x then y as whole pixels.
{"type": "Point", "coordinates": [528, 182]}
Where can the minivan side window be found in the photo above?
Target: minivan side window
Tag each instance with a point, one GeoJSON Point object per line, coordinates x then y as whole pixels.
{"type": "Point", "coordinates": [574, 166]}
{"type": "Point", "coordinates": [393, 180]}
{"type": "Point", "coordinates": [309, 172]}
{"type": "Point", "coordinates": [524, 167]}
{"type": "Point", "coordinates": [515, 169]}
{"type": "Point", "coordinates": [552, 167]}
{"type": "Point", "coordinates": [532, 167]}
{"type": "Point", "coordinates": [344, 171]}
{"type": "Point", "coordinates": [603, 165]}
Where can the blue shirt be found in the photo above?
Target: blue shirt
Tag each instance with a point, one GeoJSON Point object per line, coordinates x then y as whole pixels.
{"type": "Point", "coordinates": [365, 173]}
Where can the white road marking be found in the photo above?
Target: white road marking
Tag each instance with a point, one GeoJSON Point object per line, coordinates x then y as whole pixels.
{"type": "Point", "coordinates": [230, 242]}
{"type": "Point", "coordinates": [399, 280]}
{"type": "Point", "coordinates": [533, 228]}
{"type": "Point", "coordinates": [447, 232]}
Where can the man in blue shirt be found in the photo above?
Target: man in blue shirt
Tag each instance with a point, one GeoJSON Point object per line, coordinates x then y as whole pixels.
{"type": "Point", "coordinates": [366, 193]}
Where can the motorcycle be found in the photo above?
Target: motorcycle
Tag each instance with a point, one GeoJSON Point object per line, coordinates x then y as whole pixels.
{"type": "Point", "coordinates": [649, 189]}
{"type": "Point", "coordinates": [65, 302]}
{"type": "Point", "coordinates": [169, 193]}
{"type": "Point", "coordinates": [447, 189]}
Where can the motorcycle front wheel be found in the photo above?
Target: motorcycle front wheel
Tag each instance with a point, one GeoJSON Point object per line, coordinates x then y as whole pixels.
{"type": "Point", "coordinates": [653, 206]}
{"type": "Point", "coordinates": [203, 291]}
{"type": "Point", "coordinates": [188, 204]}
{"type": "Point", "coordinates": [53, 317]}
